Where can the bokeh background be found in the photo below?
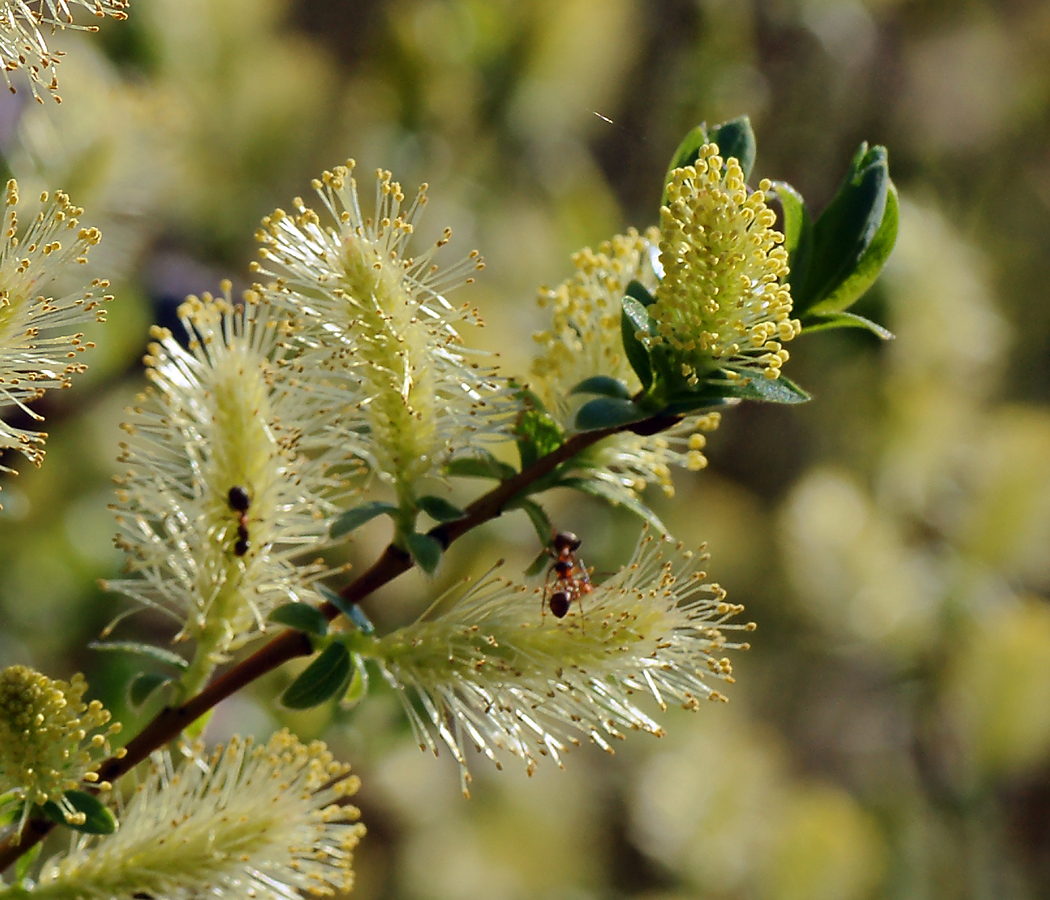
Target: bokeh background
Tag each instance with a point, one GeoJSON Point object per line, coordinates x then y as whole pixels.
{"type": "Point", "coordinates": [889, 733]}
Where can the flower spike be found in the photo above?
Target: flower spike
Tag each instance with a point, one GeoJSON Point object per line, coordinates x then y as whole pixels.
{"type": "Point", "coordinates": [40, 346]}
{"type": "Point", "coordinates": [50, 741]}
{"type": "Point", "coordinates": [494, 672]}
{"type": "Point", "coordinates": [379, 321]}
{"type": "Point", "coordinates": [231, 475]}
{"type": "Point", "coordinates": [265, 821]}
{"type": "Point", "coordinates": [722, 303]}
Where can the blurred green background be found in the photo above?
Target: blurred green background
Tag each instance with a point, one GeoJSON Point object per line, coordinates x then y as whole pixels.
{"type": "Point", "coordinates": [889, 733]}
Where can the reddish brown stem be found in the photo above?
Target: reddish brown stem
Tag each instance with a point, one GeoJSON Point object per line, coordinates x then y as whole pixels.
{"type": "Point", "coordinates": [172, 720]}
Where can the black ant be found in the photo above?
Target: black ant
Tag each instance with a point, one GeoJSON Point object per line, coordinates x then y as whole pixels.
{"type": "Point", "coordinates": [240, 503]}
{"type": "Point", "coordinates": [571, 580]}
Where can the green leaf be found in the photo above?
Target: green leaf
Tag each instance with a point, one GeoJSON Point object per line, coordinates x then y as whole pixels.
{"type": "Point", "coordinates": [301, 617]}
{"type": "Point", "coordinates": [687, 153]}
{"type": "Point", "coordinates": [481, 464]}
{"type": "Point", "coordinates": [356, 517]}
{"type": "Point", "coordinates": [439, 509]}
{"type": "Point", "coordinates": [639, 292]}
{"type": "Point", "coordinates": [144, 686]}
{"type": "Point", "coordinates": [538, 516]}
{"type": "Point", "coordinates": [735, 138]}
{"type": "Point", "coordinates": [99, 820]}
{"type": "Point", "coordinates": [870, 263]}
{"type": "Point", "coordinates": [615, 495]}
{"type": "Point", "coordinates": [357, 689]}
{"type": "Point", "coordinates": [798, 233]}
{"type": "Point", "coordinates": [715, 391]}
{"type": "Point", "coordinates": [606, 412]}
{"type": "Point", "coordinates": [321, 680]}
{"type": "Point", "coordinates": [538, 564]}
{"type": "Point", "coordinates": [860, 213]}
{"type": "Point", "coordinates": [635, 319]}
{"type": "Point", "coordinates": [846, 320]}
{"type": "Point", "coordinates": [604, 385]}
{"type": "Point", "coordinates": [24, 864]}
{"type": "Point", "coordinates": [351, 610]}
{"type": "Point", "coordinates": [157, 654]}
{"type": "Point", "coordinates": [425, 550]}
{"type": "Point", "coordinates": [536, 432]}
{"type": "Point", "coordinates": [773, 390]}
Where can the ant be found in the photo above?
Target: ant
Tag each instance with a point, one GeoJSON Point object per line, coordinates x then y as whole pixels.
{"type": "Point", "coordinates": [571, 580]}
{"type": "Point", "coordinates": [240, 503]}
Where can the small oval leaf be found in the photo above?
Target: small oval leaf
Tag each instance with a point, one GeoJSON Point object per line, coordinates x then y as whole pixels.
{"type": "Point", "coordinates": [439, 509]}
{"type": "Point", "coordinates": [157, 654]}
{"type": "Point", "coordinates": [539, 518]}
{"type": "Point", "coordinates": [97, 818]}
{"type": "Point", "coordinates": [538, 564]}
{"type": "Point", "coordinates": [635, 319]}
{"type": "Point", "coordinates": [301, 617]}
{"type": "Point", "coordinates": [351, 610]}
{"type": "Point", "coordinates": [356, 517]}
{"type": "Point", "coordinates": [481, 464]}
{"type": "Point", "coordinates": [604, 386]}
{"type": "Point", "coordinates": [616, 495]}
{"type": "Point", "coordinates": [638, 291]}
{"type": "Point", "coordinates": [143, 687]}
{"type": "Point", "coordinates": [735, 138]}
{"type": "Point", "coordinates": [846, 320]}
{"type": "Point", "coordinates": [24, 865]}
{"type": "Point", "coordinates": [798, 238]}
{"type": "Point", "coordinates": [357, 689]}
{"type": "Point", "coordinates": [608, 412]}
{"type": "Point", "coordinates": [425, 550]}
{"type": "Point", "coordinates": [321, 680]}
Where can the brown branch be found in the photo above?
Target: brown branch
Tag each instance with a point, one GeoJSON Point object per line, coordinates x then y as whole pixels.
{"type": "Point", "coordinates": [392, 562]}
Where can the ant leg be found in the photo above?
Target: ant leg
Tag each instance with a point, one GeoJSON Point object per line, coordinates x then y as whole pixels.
{"type": "Point", "coordinates": [546, 592]}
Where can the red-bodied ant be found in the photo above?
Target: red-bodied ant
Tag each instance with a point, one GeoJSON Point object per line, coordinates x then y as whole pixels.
{"type": "Point", "coordinates": [571, 580]}
{"type": "Point", "coordinates": [240, 503]}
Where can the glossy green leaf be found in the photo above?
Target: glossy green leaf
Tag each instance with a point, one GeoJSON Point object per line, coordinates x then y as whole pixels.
{"type": "Point", "coordinates": [425, 550]}
{"type": "Point", "coordinates": [98, 819]}
{"type": "Point", "coordinates": [635, 319]}
{"type": "Point", "coordinates": [157, 654]}
{"type": "Point", "coordinates": [607, 412]}
{"type": "Point", "coordinates": [24, 864]}
{"type": "Point", "coordinates": [716, 391]}
{"type": "Point", "coordinates": [439, 509]}
{"type": "Point", "coordinates": [639, 292]}
{"type": "Point", "coordinates": [539, 518]}
{"type": "Point", "coordinates": [356, 517]}
{"type": "Point", "coordinates": [845, 231]}
{"type": "Point", "coordinates": [774, 390]}
{"type": "Point", "coordinates": [615, 495]}
{"type": "Point", "coordinates": [798, 233]}
{"type": "Point", "coordinates": [144, 686]}
{"type": "Point", "coordinates": [685, 154]}
{"type": "Point", "coordinates": [351, 610]}
{"type": "Point", "coordinates": [537, 434]}
{"type": "Point", "coordinates": [481, 464]}
{"type": "Point", "coordinates": [870, 264]}
{"type": "Point", "coordinates": [735, 138]}
{"type": "Point", "coordinates": [321, 680]}
{"type": "Point", "coordinates": [604, 386]}
{"type": "Point", "coordinates": [538, 564]}
{"type": "Point", "coordinates": [846, 320]}
{"type": "Point", "coordinates": [357, 690]}
{"type": "Point", "coordinates": [301, 617]}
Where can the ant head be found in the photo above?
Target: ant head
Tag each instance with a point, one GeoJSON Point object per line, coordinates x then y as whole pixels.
{"type": "Point", "coordinates": [238, 498]}
{"type": "Point", "coordinates": [566, 540]}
